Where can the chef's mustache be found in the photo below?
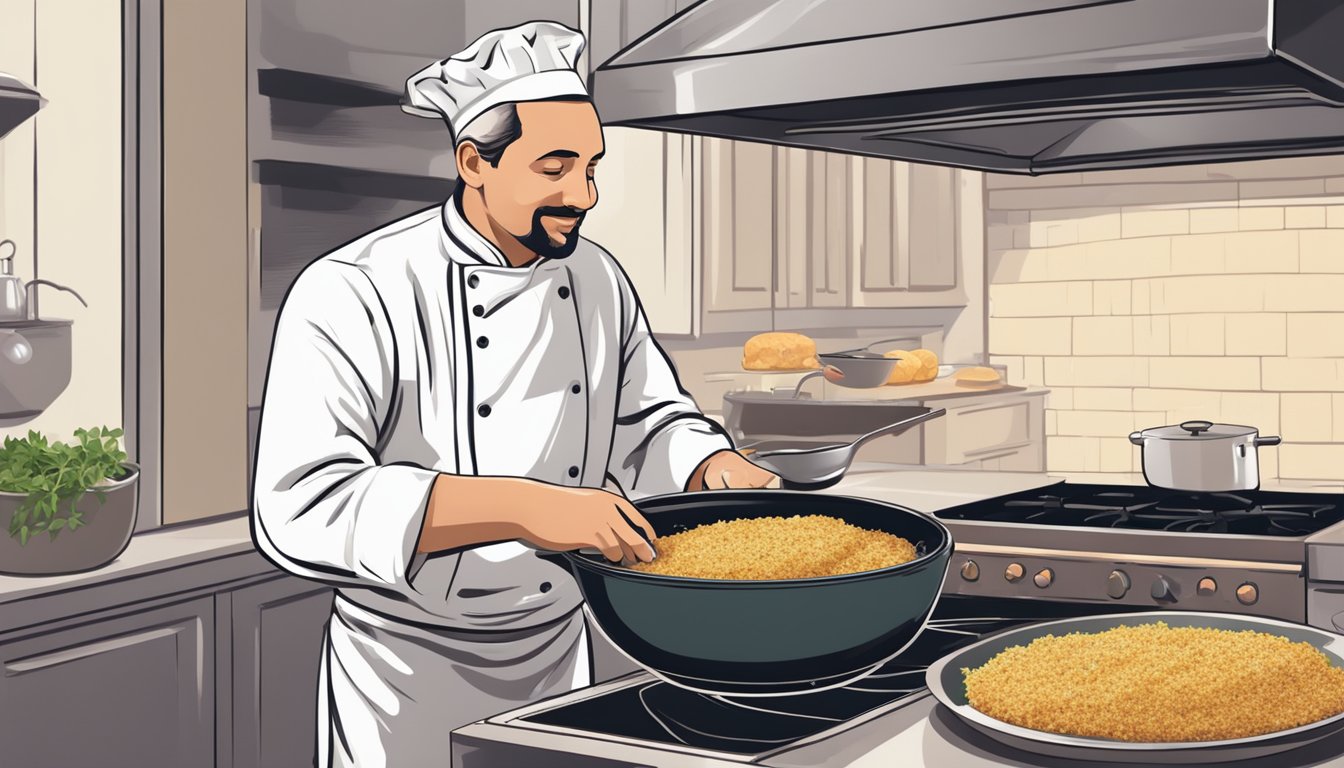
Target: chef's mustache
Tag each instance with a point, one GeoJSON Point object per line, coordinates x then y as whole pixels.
{"type": "Point", "coordinates": [563, 211]}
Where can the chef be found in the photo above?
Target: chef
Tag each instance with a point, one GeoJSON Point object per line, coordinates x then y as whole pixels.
{"type": "Point", "coordinates": [455, 391]}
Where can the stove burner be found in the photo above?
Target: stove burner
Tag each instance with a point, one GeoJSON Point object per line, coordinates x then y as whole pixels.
{"type": "Point", "coordinates": [661, 713]}
{"type": "Point", "coordinates": [1262, 513]}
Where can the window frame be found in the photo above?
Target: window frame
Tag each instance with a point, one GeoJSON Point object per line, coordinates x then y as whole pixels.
{"type": "Point", "coordinates": [142, 250]}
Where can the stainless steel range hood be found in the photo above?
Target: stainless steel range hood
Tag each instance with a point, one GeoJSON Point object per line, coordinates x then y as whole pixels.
{"type": "Point", "coordinates": [1018, 86]}
{"type": "Point", "coordinates": [18, 102]}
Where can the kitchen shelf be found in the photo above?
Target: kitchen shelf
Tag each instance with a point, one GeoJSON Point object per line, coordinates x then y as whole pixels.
{"type": "Point", "coordinates": [347, 180]}
{"type": "Point", "coordinates": [318, 88]}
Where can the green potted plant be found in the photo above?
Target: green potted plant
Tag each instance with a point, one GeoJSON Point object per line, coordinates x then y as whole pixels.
{"type": "Point", "coordinates": [68, 507]}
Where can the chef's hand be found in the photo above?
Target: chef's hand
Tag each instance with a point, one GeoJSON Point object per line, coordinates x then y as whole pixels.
{"type": "Point", "coordinates": [727, 469]}
{"type": "Point", "coordinates": [564, 518]}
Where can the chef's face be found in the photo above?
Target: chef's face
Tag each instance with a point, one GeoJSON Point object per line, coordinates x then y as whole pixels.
{"type": "Point", "coordinates": [543, 184]}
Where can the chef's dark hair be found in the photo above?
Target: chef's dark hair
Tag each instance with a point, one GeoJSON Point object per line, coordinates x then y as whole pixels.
{"type": "Point", "coordinates": [497, 128]}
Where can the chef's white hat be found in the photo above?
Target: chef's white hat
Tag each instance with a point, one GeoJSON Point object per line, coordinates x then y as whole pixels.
{"type": "Point", "coordinates": [529, 62]}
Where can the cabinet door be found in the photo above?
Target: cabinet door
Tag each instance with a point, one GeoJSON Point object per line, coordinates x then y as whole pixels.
{"type": "Point", "coordinates": [830, 229]}
{"type": "Point", "coordinates": [277, 635]}
{"type": "Point", "coordinates": [906, 227]}
{"type": "Point", "coordinates": [793, 248]}
{"type": "Point", "coordinates": [933, 228]}
{"type": "Point", "coordinates": [739, 225]}
{"type": "Point", "coordinates": [136, 690]}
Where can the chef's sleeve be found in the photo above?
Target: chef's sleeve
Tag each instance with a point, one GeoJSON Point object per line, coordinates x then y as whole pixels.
{"type": "Point", "coordinates": [661, 436]}
{"type": "Point", "coordinates": [324, 506]}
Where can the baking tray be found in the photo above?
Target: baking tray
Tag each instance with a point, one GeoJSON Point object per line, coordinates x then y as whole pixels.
{"type": "Point", "coordinates": [945, 683]}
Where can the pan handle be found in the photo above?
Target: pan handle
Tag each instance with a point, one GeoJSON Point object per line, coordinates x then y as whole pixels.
{"type": "Point", "coordinates": [799, 389]}
{"type": "Point", "coordinates": [1263, 441]}
{"type": "Point", "coordinates": [871, 345]}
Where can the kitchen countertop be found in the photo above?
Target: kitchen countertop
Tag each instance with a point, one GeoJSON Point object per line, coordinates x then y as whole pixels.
{"type": "Point", "coordinates": [176, 560]}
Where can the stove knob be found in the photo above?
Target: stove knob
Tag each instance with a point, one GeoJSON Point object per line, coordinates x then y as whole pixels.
{"type": "Point", "coordinates": [970, 571]}
{"type": "Point", "coordinates": [1248, 593]}
{"type": "Point", "coordinates": [1014, 572]}
{"type": "Point", "coordinates": [1118, 584]}
{"type": "Point", "coordinates": [1044, 578]}
{"type": "Point", "coordinates": [1162, 590]}
{"type": "Point", "coordinates": [1207, 586]}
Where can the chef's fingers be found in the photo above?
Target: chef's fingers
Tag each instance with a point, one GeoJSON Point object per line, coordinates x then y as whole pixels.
{"type": "Point", "coordinates": [627, 549]}
{"type": "Point", "coordinates": [763, 479]}
{"type": "Point", "coordinates": [717, 481]}
{"type": "Point", "coordinates": [609, 544]}
{"type": "Point", "coordinates": [635, 518]}
{"type": "Point", "coordinates": [634, 544]}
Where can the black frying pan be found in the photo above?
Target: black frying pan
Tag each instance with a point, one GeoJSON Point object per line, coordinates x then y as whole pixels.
{"type": "Point", "coordinates": [767, 638]}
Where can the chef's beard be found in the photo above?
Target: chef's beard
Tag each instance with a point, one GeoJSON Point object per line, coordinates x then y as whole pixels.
{"type": "Point", "coordinates": [539, 242]}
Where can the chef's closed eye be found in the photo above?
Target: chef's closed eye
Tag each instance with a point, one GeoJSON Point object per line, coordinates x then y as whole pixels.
{"type": "Point", "coordinates": [555, 163]}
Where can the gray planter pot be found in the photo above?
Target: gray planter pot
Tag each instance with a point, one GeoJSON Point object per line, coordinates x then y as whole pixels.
{"type": "Point", "coordinates": [109, 523]}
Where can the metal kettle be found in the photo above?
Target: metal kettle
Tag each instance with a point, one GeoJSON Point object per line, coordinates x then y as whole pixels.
{"type": "Point", "coordinates": [18, 300]}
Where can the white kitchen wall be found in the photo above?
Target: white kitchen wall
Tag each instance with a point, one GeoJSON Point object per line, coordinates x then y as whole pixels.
{"type": "Point", "coordinates": [1148, 297]}
{"type": "Point", "coordinates": [60, 191]}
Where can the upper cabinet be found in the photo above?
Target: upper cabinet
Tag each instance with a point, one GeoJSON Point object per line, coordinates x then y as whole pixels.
{"type": "Point", "coordinates": [789, 228]}
{"type": "Point", "coordinates": [906, 220]}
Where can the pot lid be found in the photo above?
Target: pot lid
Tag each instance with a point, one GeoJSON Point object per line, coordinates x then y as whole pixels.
{"type": "Point", "coordinates": [1198, 430]}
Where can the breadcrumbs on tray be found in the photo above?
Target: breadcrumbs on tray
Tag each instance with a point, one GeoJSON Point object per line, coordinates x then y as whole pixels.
{"type": "Point", "coordinates": [769, 548]}
{"type": "Point", "coordinates": [1156, 683]}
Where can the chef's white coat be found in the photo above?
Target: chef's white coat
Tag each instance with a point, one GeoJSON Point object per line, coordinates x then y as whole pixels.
{"type": "Point", "coordinates": [415, 350]}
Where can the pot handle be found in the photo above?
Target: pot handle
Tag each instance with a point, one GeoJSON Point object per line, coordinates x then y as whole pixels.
{"type": "Point", "coordinates": [1272, 440]}
{"type": "Point", "coordinates": [1136, 438]}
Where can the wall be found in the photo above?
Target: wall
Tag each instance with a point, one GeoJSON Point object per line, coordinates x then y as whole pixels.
{"type": "Point", "coordinates": [60, 192]}
{"type": "Point", "coordinates": [1148, 297]}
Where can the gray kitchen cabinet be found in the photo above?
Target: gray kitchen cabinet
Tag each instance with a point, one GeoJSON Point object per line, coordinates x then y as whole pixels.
{"type": "Point", "coordinates": [1002, 431]}
{"type": "Point", "coordinates": [277, 630]}
{"type": "Point", "coordinates": [136, 690]}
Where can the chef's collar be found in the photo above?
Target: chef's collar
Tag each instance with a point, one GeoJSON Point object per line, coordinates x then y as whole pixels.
{"type": "Point", "coordinates": [465, 244]}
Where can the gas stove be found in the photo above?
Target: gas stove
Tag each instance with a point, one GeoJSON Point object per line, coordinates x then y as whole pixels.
{"type": "Point", "coordinates": [1238, 552]}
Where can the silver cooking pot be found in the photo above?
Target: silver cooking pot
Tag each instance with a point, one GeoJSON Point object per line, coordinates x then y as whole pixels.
{"type": "Point", "coordinates": [1202, 456]}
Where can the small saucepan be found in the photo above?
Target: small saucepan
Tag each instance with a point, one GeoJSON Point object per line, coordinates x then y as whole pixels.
{"type": "Point", "coordinates": [1202, 456]}
{"type": "Point", "coordinates": [853, 368]}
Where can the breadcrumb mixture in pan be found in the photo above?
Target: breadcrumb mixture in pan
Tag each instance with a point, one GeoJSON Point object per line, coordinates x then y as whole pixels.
{"type": "Point", "coordinates": [769, 548]}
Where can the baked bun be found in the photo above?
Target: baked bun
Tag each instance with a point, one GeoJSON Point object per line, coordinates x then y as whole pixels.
{"type": "Point", "coordinates": [779, 351]}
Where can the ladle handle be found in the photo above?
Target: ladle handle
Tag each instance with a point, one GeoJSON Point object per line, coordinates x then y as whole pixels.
{"type": "Point", "coordinates": [898, 426]}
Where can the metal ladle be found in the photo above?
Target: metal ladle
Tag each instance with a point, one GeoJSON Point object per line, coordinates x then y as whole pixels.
{"type": "Point", "coordinates": [823, 466]}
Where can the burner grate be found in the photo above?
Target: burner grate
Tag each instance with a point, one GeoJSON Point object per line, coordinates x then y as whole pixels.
{"type": "Point", "coordinates": [1253, 513]}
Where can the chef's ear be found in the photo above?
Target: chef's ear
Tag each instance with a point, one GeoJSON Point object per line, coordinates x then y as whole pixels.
{"type": "Point", "coordinates": [469, 164]}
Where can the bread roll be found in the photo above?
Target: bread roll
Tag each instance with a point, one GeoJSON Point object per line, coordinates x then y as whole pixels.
{"type": "Point", "coordinates": [907, 366]}
{"type": "Point", "coordinates": [929, 362]}
{"type": "Point", "coordinates": [977, 376]}
{"type": "Point", "coordinates": [914, 367]}
{"type": "Point", "coordinates": [779, 351]}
